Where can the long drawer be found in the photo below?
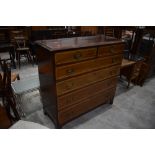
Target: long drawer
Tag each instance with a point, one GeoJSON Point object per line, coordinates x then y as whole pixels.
{"type": "Point", "coordinates": [85, 80]}
{"type": "Point", "coordinates": [82, 107]}
{"type": "Point", "coordinates": [104, 51]}
{"type": "Point", "coordinates": [79, 95]}
{"type": "Point", "coordinates": [75, 55]}
{"type": "Point", "coordinates": [83, 67]}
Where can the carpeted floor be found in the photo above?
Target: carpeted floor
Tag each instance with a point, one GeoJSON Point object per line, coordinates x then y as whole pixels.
{"type": "Point", "coordinates": [133, 108]}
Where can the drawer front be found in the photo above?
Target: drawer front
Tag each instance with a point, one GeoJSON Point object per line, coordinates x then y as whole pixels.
{"type": "Point", "coordinates": [82, 107]}
{"type": "Point", "coordinates": [85, 80]}
{"type": "Point", "coordinates": [84, 93]}
{"type": "Point", "coordinates": [110, 50]}
{"type": "Point", "coordinates": [75, 56]}
{"type": "Point", "coordinates": [83, 67]}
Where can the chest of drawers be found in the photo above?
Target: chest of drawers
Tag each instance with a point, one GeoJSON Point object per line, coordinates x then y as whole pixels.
{"type": "Point", "coordinates": [77, 75]}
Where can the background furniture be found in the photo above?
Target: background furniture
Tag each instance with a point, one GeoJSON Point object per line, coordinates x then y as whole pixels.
{"type": "Point", "coordinates": [134, 71]}
{"type": "Point", "coordinates": [22, 49]}
{"type": "Point", "coordinates": [147, 50]}
{"type": "Point", "coordinates": [77, 75]}
{"type": "Point", "coordinates": [109, 31]}
{"type": "Point", "coordinates": [5, 122]}
{"type": "Point", "coordinates": [6, 46]}
{"type": "Point", "coordinates": [6, 93]}
{"type": "Point", "coordinates": [128, 70]}
{"type": "Point", "coordinates": [14, 76]}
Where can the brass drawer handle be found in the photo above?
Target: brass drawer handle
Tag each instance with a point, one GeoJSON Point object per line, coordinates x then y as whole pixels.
{"type": "Point", "coordinates": [112, 72]}
{"type": "Point", "coordinates": [69, 85]}
{"type": "Point", "coordinates": [109, 84]}
{"type": "Point", "coordinates": [112, 50]}
{"type": "Point", "coordinates": [113, 60]}
{"type": "Point", "coordinates": [107, 96]}
{"type": "Point", "coordinates": [77, 55]}
{"type": "Point", "coordinates": [70, 71]}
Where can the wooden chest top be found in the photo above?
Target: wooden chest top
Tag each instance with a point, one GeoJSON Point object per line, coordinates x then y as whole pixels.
{"type": "Point", "coordinates": [76, 42]}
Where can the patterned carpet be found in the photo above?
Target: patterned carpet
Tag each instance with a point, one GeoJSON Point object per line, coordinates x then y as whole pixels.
{"type": "Point", "coordinates": [133, 108]}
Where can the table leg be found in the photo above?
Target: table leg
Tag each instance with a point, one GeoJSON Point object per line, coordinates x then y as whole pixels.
{"type": "Point", "coordinates": [12, 56]}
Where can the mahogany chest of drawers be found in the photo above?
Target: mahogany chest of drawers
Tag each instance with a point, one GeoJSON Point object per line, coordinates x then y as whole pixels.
{"type": "Point", "coordinates": [77, 75]}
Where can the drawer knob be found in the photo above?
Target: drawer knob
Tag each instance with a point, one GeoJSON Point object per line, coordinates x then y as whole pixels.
{"type": "Point", "coordinates": [108, 84]}
{"type": "Point", "coordinates": [112, 72]}
{"type": "Point", "coordinates": [77, 55]}
{"type": "Point", "coordinates": [107, 95]}
{"type": "Point", "coordinates": [113, 60]}
{"type": "Point", "coordinates": [112, 50]}
{"type": "Point", "coordinates": [69, 86]}
{"type": "Point", "coordinates": [70, 71]}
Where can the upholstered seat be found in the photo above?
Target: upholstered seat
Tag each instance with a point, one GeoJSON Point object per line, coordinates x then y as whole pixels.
{"type": "Point", "coordinates": [14, 76]}
{"type": "Point", "coordinates": [27, 125]}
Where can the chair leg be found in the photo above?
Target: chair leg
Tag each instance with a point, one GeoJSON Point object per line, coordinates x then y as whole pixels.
{"type": "Point", "coordinates": [26, 55]}
{"type": "Point", "coordinates": [34, 59]}
{"type": "Point", "coordinates": [128, 84]}
{"type": "Point", "coordinates": [13, 107]}
{"type": "Point", "coordinates": [29, 55]}
{"type": "Point", "coordinates": [12, 60]}
{"type": "Point", "coordinates": [3, 99]}
{"type": "Point", "coordinates": [18, 77]}
{"type": "Point", "coordinates": [18, 57]}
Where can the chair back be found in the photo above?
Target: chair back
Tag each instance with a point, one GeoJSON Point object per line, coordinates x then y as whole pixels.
{"type": "Point", "coordinates": [20, 42]}
{"type": "Point", "coordinates": [15, 33]}
{"type": "Point", "coordinates": [6, 91]}
{"type": "Point", "coordinates": [109, 31]}
{"type": "Point", "coordinates": [5, 79]}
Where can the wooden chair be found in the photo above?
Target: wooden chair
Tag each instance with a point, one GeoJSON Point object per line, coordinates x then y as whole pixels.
{"type": "Point", "coordinates": [14, 76]}
{"type": "Point", "coordinates": [15, 33]}
{"type": "Point", "coordinates": [6, 92]}
{"type": "Point", "coordinates": [6, 47]}
{"type": "Point", "coordinates": [22, 50]}
{"type": "Point", "coordinates": [131, 71]}
{"type": "Point", "coordinates": [143, 74]}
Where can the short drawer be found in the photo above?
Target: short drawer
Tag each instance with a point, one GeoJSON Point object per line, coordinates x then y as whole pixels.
{"type": "Point", "coordinates": [75, 55]}
{"type": "Point", "coordinates": [104, 51]}
{"type": "Point", "coordinates": [84, 93]}
{"type": "Point", "coordinates": [82, 107]}
{"type": "Point", "coordinates": [85, 80]}
{"type": "Point", "coordinates": [86, 66]}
